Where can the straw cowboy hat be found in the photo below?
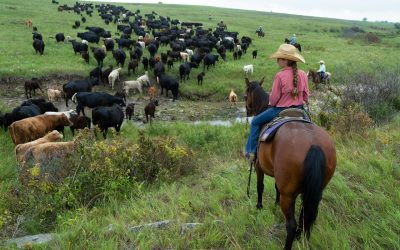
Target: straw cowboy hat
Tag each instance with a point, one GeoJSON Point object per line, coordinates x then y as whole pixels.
{"type": "Point", "coordinates": [289, 52]}
{"type": "Point", "coordinates": [322, 62]}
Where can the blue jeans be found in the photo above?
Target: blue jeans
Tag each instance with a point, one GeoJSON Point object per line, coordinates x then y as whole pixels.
{"type": "Point", "coordinates": [321, 75]}
{"type": "Point", "coordinates": [257, 123]}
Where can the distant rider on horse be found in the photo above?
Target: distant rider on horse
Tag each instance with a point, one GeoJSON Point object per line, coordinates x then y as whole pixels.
{"type": "Point", "coordinates": [293, 39]}
{"type": "Point", "coordinates": [260, 29]}
{"type": "Point", "coordinates": [322, 70]}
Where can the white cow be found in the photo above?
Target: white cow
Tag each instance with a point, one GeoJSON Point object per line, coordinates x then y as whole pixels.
{"type": "Point", "coordinates": [114, 75]}
{"type": "Point", "coordinates": [133, 85]}
{"type": "Point", "coordinates": [66, 113]}
{"type": "Point", "coordinates": [248, 69]}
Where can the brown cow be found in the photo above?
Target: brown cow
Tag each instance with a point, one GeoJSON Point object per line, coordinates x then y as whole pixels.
{"type": "Point", "coordinates": [45, 152]}
{"type": "Point", "coordinates": [21, 149]}
{"type": "Point", "coordinates": [32, 128]}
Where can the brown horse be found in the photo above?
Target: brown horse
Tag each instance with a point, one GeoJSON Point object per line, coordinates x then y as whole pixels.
{"type": "Point", "coordinates": [301, 157]}
{"type": "Point", "coordinates": [317, 80]}
{"type": "Point", "coordinates": [297, 45]}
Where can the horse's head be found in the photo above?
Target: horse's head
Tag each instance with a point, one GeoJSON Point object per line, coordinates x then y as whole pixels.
{"type": "Point", "coordinates": [255, 97]}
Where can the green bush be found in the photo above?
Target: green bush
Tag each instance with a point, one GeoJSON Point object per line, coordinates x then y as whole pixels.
{"type": "Point", "coordinates": [100, 170]}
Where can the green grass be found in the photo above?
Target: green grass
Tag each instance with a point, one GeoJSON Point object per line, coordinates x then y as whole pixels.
{"type": "Point", "coordinates": [360, 206]}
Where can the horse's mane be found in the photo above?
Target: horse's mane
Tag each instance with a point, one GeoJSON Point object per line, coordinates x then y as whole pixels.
{"type": "Point", "coordinates": [260, 98]}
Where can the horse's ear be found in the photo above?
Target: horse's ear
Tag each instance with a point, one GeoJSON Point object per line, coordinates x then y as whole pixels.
{"type": "Point", "coordinates": [247, 81]}
{"type": "Point", "coordinates": [262, 81]}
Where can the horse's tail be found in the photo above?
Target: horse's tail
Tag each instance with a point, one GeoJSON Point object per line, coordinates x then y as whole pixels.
{"type": "Point", "coordinates": [314, 174]}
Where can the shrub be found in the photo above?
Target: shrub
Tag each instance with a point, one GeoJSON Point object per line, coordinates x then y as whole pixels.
{"type": "Point", "coordinates": [352, 32]}
{"type": "Point", "coordinates": [100, 170]}
{"type": "Point", "coordinates": [377, 92]}
{"type": "Point", "coordinates": [397, 25]}
{"type": "Point", "coordinates": [372, 38]}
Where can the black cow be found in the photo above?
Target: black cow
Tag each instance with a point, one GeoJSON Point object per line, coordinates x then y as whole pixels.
{"type": "Point", "coordinates": [109, 43]}
{"type": "Point", "coordinates": [76, 86]}
{"type": "Point", "coordinates": [89, 36]}
{"type": "Point", "coordinates": [152, 62]}
{"type": "Point", "coordinates": [168, 83]}
{"type": "Point", "coordinates": [106, 117]}
{"type": "Point", "coordinates": [105, 73]}
{"type": "Point", "coordinates": [152, 48]}
{"type": "Point", "coordinates": [196, 58]}
{"type": "Point", "coordinates": [78, 46]}
{"type": "Point", "coordinates": [38, 45]}
{"type": "Point", "coordinates": [37, 35]}
{"type": "Point", "coordinates": [60, 37]}
{"type": "Point", "coordinates": [158, 69]}
{"type": "Point", "coordinates": [145, 62]}
{"type": "Point", "coordinates": [124, 43]}
{"type": "Point", "coordinates": [95, 73]}
{"type": "Point", "coordinates": [209, 59]}
{"type": "Point", "coordinates": [184, 70]}
{"type": "Point", "coordinates": [133, 65]}
{"type": "Point", "coordinates": [119, 56]}
{"type": "Point", "coordinates": [85, 56]}
{"type": "Point", "coordinates": [95, 99]}
{"type": "Point", "coordinates": [99, 55]}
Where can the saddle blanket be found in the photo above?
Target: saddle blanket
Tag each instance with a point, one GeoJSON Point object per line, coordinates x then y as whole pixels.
{"type": "Point", "coordinates": [268, 132]}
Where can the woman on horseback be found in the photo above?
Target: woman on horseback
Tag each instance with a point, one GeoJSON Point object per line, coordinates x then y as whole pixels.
{"type": "Point", "coordinates": [289, 90]}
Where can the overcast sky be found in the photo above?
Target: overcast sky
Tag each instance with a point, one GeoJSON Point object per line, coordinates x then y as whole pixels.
{"type": "Point", "coordinates": [373, 10]}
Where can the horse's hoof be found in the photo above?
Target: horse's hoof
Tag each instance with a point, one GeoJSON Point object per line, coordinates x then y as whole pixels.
{"type": "Point", "coordinates": [259, 206]}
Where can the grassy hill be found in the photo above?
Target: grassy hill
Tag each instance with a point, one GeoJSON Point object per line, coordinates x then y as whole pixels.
{"type": "Point", "coordinates": [360, 206]}
{"type": "Point", "coordinates": [320, 38]}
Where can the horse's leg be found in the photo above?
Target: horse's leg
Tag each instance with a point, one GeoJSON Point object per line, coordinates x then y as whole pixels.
{"type": "Point", "coordinates": [300, 226]}
{"type": "Point", "coordinates": [287, 206]}
{"type": "Point", "coordinates": [277, 195]}
{"type": "Point", "coordinates": [260, 185]}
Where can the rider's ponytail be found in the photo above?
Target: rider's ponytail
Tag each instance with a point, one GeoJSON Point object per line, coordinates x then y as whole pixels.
{"type": "Point", "coordinates": [295, 91]}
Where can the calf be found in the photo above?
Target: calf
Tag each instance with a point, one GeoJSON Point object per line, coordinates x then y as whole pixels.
{"type": "Point", "coordinates": [159, 69]}
{"type": "Point", "coordinates": [152, 92]}
{"type": "Point", "coordinates": [144, 79]}
{"type": "Point", "coordinates": [232, 98]}
{"type": "Point", "coordinates": [60, 37]}
{"type": "Point", "coordinates": [255, 54]}
{"type": "Point", "coordinates": [133, 65]}
{"type": "Point", "coordinates": [114, 75]}
{"type": "Point", "coordinates": [184, 70]}
{"type": "Point", "coordinates": [130, 109]}
{"type": "Point", "coordinates": [53, 94]}
{"type": "Point", "coordinates": [150, 109]}
{"type": "Point", "coordinates": [106, 117]}
{"type": "Point", "coordinates": [95, 99]}
{"type": "Point", "coordinates": [32, 128]}
{"type": "Point", "coordinates": [79, 122]}
{"type": "Point", "coordinates": [200, 78]}
{"type": "Point", "coordinates": [21, 149]}
{"type": "Point", "coordinates": [38, 45]}
{"type": "Point", "coordinates": [170, 64]}
{"type": "Point", "coordinates": [122, 94]}
{"type": "Point", "coordinates": [95, 73]}
{"type": "Point", "coordinates": [31, 86]}
{"type": "Point", "coordinates": [109, 43]}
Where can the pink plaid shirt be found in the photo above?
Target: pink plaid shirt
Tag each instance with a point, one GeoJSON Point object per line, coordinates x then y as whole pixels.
{"type": "Point", "coordinates": [282, 87]}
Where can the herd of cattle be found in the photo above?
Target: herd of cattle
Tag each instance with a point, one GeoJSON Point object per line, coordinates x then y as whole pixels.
{"type": "Point", "coordinates": [37, 122]}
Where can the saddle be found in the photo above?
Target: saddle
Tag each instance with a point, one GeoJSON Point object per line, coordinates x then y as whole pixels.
{"type": "Point", "coordinates": [288, 115]}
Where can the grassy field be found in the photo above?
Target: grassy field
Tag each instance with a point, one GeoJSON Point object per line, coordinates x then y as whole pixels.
{"type": "Point", "coordinates": [360, 206]}
{"type": "Point", "coordinates": [341, 55]}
